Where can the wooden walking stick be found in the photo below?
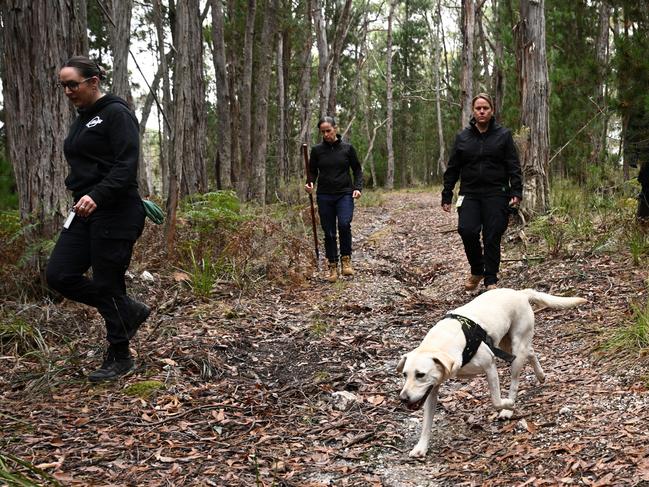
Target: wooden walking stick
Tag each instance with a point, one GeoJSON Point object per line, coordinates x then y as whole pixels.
{"type": "Point", "coordinates": [305, 151]}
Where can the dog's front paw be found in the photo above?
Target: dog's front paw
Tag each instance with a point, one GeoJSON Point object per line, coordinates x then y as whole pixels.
{"type": "Point", "coordinates": [506, 414]}
{"type": "Point", "coordinates": [419, 451]}
{"type": "Point", "coordinates": [506, 404]}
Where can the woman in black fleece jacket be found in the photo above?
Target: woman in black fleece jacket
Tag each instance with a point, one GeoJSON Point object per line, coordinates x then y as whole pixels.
{"type": "Point", "coordinates": [330, 164]}
{"type": "Point", "coordinates": [102, 149]}
{"type": "Point", "coordinates": [485, 160]}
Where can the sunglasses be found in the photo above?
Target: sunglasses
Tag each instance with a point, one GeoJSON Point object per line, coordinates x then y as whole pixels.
{"type": "Point", "coordinates": [73, 85]}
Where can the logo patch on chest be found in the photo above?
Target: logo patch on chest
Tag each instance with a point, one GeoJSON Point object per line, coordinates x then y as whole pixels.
{"type": "Point", "coordinates": [94, 121]}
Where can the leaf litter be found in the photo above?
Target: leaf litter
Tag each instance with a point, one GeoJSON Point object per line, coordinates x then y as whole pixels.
{"type": "Point", "coordinates": [251, 382]}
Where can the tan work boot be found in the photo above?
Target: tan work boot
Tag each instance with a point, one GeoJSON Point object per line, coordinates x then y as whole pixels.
{"type": "Point", "coordinates": [491, 286]}
{"type": "Point", "coordinates": [333, 272]}
{"type": "Point", "coordinates": [472, 282]}
{"type": "Point", "coordinates": [346, 262]}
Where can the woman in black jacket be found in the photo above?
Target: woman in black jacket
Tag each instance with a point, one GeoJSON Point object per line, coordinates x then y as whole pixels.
{"type": "Point", "coordinates": [485, 160]}
{"type": "Point", "coordinates": [102, 150]}
{"type": "Point", "coordinates": [330, 164]}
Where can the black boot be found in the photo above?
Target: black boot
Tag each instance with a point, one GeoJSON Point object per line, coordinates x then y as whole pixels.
{"type": "Point", "coordinates": [138, 314]}
{"type": "Point", "coordinates": [117, 363]}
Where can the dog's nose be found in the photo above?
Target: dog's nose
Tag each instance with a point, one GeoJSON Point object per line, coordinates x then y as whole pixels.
{"type": "Point", "coordinates": [404, 397]}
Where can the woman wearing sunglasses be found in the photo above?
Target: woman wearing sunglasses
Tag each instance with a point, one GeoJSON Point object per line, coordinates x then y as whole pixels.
{"type": "Point", "coordinates": [102, 150]}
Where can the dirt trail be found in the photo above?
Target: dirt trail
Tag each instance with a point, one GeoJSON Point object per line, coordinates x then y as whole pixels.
{"type": "Point", "coordinates": [252, 383]}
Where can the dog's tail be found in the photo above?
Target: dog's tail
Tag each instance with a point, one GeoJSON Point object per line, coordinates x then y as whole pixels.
{"type": "Point", "coordinates": [550, 301]}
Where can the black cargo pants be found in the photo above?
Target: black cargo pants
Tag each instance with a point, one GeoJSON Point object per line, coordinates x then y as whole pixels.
{"type": "Point", "coordinates": [104, 242]}
{"type": "Point", "coordinates": [488, 215]}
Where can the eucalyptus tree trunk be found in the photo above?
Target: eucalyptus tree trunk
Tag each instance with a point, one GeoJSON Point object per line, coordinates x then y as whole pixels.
{"type": "Point", "coordinates": [282, 163]}
{"type": "Point", "coordinates": [245, 97]}
{"type": "Point", "coordinates": [600, 124]}
{"type": "Point", "coordinates": [37, 113]}
{"type": "Point", "coordinates": [145, 173]}
{"type": "Point", "coordinates": [466, 82]}
{"type": "Point", "coordinates": [223, 100]}
{"type": "Point", "coordinates": [167, 106]}
{"type": "Point", "coordinates": [441, 159]}
{"type": "Point", "coordinates": [188, 173]}
{"type": "Point", "coordinates": [120, 36]}
{"type": "Point", "coordinates": [497, 76]}
{"type": "Point", "coordinates": [304, 91]}
{"type": "Point", "coordinates": [262, 88]}
{"type": "Point", "coordinates": [535, 109]}
{"type": "Point", "coordinates": [329, 57]}
{"type": "Point", "coordinates": [389, 179]}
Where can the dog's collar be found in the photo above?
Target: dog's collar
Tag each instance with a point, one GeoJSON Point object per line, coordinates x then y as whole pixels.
{"type": "Point", "coordinates": [475, 335]}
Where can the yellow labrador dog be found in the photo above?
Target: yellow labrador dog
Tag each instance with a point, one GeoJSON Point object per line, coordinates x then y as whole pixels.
{"type": "Point", "coordinates": [466, 342]}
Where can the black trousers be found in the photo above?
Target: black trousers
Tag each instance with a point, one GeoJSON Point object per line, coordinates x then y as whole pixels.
{"type": "Point", "coordinates": [104, 242]}
{"type": "Point", "coordinates": [488, 216]}
{"type": "Point", "coordinates": [643, 205]}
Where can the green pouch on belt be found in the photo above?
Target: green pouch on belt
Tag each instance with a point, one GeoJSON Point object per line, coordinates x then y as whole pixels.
{"type": "Point", "coordinates": [154, 212]}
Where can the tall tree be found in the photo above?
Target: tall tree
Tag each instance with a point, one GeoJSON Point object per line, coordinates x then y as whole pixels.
{"type": "Point", "coordinates": [245, 97]}
{"type": "Point", "coordinates": [389, 179]}
{"type": "Point", "coordinates": [262, 87]}
{"type": "Point", "coordinates": [468, 36]}
{"type": "Point", "coordinates": [120, 37]}
{"type": "Point", "coordinates": [36, 110]}
{"type": "Point", "coordinates": [303, 90]}
{"type": "Point", "coordinates": [223, 100]}
{"type": "Point", "coordinates": [188, 172]}
{"type": "Point", "coordinates": [600, 126]}
{"type": "Point", "coordinates": [535, 105]}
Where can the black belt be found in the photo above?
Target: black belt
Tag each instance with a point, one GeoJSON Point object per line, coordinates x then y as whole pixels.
{"type": "Point", "coordinates": [475, 335]}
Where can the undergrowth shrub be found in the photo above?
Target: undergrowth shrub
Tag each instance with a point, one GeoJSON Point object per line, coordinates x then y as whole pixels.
{"type": "Point", "coordinates": [222, 240]}
{"type": "Point", "coordinates": [635, 334]}
{"type": "Point", "coordinates": [16, 471]}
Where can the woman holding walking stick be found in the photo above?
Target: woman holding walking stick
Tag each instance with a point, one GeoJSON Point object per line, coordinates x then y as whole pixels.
{"type": "Point", "coordinates": [330, 164]}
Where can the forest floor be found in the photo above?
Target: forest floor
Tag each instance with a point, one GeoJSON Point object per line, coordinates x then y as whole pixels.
{"type": "Point", "coordinates": [249, 384]}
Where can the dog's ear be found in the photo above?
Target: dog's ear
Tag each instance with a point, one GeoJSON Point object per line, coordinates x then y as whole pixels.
{"type": "Point", "coordinates": [402, 362]}
{"type": "Point", "coordinates": [446, 362]}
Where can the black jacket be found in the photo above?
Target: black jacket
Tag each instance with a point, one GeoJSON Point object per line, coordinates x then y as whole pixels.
{"type": "Point", "coordinates": [329, 164]}
{"type": "Point", "coordinates": [102, 149]}
{"type": "Point", "coordinates": [485, 163]}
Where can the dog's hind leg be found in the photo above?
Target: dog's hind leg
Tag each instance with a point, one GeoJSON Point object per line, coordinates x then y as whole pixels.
{"type": "Point", "coordinates": [538, 371]}
{"type": "Point", "coordinates": [421, 447]}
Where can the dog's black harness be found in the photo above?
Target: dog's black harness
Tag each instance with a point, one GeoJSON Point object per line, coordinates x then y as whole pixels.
{"type": "Point", "coordinates": [475, 335]}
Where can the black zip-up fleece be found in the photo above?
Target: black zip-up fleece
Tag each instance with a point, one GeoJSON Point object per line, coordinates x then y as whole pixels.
{"type": "Point", "coordinates": [486, 163]}
{"type": "Point", "coordinates": [329, 164]}
{"type": "Point", "coordinates": [102, 149]}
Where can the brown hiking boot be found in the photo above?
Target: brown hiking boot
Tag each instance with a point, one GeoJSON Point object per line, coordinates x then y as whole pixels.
{"type": "Point", "coordinates": [472, 282]}
{"type": "Point", "coordinates": [346, 262]}
{"type": "Point", "coordinates": [333, 272]}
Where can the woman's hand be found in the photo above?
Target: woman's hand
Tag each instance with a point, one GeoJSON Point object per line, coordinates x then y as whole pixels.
{"type": "Point", "coordinates": [308, 187]}
{"type": "Point", "coordinates": [85, 206]}
{"type": "Point", "coordinates": [515, 201]}
{"type": "Point", "coordinates": [356, 194]}
{"type": "Point", "coordinates": [446, 207]}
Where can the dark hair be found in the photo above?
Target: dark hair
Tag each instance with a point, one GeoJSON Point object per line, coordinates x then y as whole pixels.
{"type": "Point", "coordinates": [327, 119]}
{"type": "Point", "coordinates": [85, 66]}
{"type": "Point", "coordinates": [485, 97]}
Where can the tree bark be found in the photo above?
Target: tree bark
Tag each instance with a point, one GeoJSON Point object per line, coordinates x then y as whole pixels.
{"type": "Point", "coordinates": [188, 172]}
{"type": "Point", "coordinates": [535, 109]}
{"type": "Point", "coordinates": [120, 36]}
{"type": "Point", "coordinates": [304, 92]}
{"type": "Point", "coordinates": [466, 83]}
{"type": "Point", "coordinates": [167, 106]}
{"type": "Point", "coordinates": [223, 120]}
{"type": "Point", "coordinates": [282, 163]}
{"type": "Point", "coordinates": [262, 88]}
{"type": "Point", "coordinates": [441, 159]}
{"type": "Point", "coordinates": [389, 179]}
{"type": "Point", "coordinates": [600, 125]}
{"type": "Point", "coordinates": [245, 95]}
{"type": "Point", "coordinates": [37, 112]}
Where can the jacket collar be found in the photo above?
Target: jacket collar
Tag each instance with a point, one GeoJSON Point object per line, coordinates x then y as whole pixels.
{"type": "Point", "coordinates": [492, 125]}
